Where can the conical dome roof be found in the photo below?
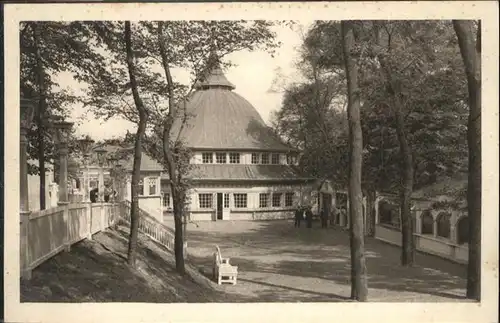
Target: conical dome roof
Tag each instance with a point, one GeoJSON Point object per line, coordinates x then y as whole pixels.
{"type": "Point", "coordinates": [218, 118]}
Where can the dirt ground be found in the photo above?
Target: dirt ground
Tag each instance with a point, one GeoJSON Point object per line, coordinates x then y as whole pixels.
{"type": "Point", "coordinates": [277, 262]}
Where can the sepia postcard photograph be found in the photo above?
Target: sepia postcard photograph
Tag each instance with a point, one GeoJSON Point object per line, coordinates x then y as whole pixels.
{"type": "Point", "coordinates": [241, 162]}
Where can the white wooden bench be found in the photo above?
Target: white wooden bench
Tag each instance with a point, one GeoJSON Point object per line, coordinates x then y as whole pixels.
{"type": "Point", "coordinates": [223, 271]}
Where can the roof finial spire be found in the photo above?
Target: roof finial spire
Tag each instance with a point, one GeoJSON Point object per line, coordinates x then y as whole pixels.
{"type": "Point", "coordinates": [213, 58]}
{"type": "Point", "coordinates": [215, 78]}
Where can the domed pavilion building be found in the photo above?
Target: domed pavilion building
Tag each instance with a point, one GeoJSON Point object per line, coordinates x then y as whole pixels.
{"type": "Point", "coordinates": [241, 170]}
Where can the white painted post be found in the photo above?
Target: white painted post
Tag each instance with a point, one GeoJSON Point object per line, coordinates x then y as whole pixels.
{"type": "Point", "coordinates": [129, 190]}
{"type": "Point", "coordinates": [103, 214]}
{"type": "Point", "coordinates": [418, 221]}
{"type": "Point", "coordinates": [145, 185]}
{"type": "Point", "coordinates": [67, 242]}
{"type": "Point", "coordinates": [88, 214]}
{"type": "Point", "coordinates": [54, 194]}
{"type": "Point", "coordinates": [453, 226]}
{"type": "Point", "coordinates": [26, 117]}
{"type": "Point", "coordinates": [434, 223]}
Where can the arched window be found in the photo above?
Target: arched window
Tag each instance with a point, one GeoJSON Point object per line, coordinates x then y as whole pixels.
{"type": "Point", "coordinates": [388, 214]}
{"type": "Point", "coordinates": [463, 230]}
{"type": "Point", "coordinates": [443, 225]}
{"type": "Point", "coordinates": [427, 223]}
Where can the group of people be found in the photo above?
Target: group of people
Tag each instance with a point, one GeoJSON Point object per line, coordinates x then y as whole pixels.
{"type": "Point", "coordinates": [109, 194]}
{"type": "Point", "coordinates": [305, 213]}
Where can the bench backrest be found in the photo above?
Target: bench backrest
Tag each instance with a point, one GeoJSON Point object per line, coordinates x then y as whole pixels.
{"type": "Point", "coordinates": [218, 255]}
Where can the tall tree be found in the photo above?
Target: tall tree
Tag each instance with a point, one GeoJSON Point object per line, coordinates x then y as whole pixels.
{"type": "Point", "coordinates": [426, 83]}
{"type": "Point", "coordinates": [181, 44]}
{"type": "Point", "coordinates": [406, 155]}
{"type": "Point", "coordinates": [48, 48]}
{"type": "Point", "coordinates": [470, 49]}
{"type": "Point", "coordinates": [359, 282]}
{"type": "Point", "coordinates": [141, 129]}
{"type": "Point", "coordinates": [41, 113]}
{"type": "Point", "coordinates": [224, 37]}
{"type": "Point", "coordinates": [175, 176]}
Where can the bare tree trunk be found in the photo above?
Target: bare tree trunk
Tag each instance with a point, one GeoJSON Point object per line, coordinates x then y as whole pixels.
{"type": "Point", "coordinates": [406, 169]}
{"type": "Point", "coordinates": [370, 212]}
{"type": "Point", "coordinates": [406, 188]}
{"type": "Point", "coordinates": [471, 55]}
{"type": "Point", "coordinates": [42, 107]}
{"type": "Point", "coordinates": [359, 284]}
{"type": "Point", "coordinates": [178, 197]}
{"type": "Point", "coordinates": [136, 172]}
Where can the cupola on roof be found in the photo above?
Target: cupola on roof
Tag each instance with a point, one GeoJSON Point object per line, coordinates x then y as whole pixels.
{"type": "Point", "coordinates": [218, 118]}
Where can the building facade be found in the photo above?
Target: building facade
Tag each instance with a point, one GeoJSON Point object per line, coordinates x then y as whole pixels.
{"type": "Point", "coordinates": [240, 169]}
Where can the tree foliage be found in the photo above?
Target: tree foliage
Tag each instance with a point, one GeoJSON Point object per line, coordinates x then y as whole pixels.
{"type": "Point", "coordinates": [159, 47]}
{"type": "Point", "coordinates": [432, 87]}
{"type": "Point", "coordinates": [414, 109]}
{"type": "Point", "coordinates": [49, 48]}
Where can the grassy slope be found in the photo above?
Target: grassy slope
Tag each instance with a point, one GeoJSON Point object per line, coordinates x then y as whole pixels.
{"type": "Point", "coordinates": [96, 271]}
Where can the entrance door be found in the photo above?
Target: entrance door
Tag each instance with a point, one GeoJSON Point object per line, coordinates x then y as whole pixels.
{"type": "Point", "coordinates": [219, 206]}
{"type": "Point", "coordinates": [327, 202]}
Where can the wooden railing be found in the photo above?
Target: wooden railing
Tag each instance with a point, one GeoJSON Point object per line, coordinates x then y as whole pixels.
{"type": "Point", "coordinates": [46, 233]}
{"type": "Point", "coordinates": [151, 227]}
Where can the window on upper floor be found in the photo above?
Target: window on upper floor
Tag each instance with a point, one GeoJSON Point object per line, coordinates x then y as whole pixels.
{"type": "Point", "coordinates": [255, 158]}
{"type": "Point", "coordinates": [265, 159]}
{"type": "Point", "coordinates": [141, 186]}
{"type": "Point", "coordinates": [275, 159]}
{"type": "Point", "coordinates": [166, 199]}
{"type": "Point", "coordinates": [152, 186]}
{"type": "Point", "coordinates": [207, 158]}
{"type": "Point", "coordinates": [291, 159]}
{"type": "Point", "coordinates": [234, 158]}
{"type": "Point", "coordinates": [220, 158]}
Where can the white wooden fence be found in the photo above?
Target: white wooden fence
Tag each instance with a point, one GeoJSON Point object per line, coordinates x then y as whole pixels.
{"type": "Point", "coordinates": [48, 232]}
{"type": "Point", "coordinates": [153, 228]}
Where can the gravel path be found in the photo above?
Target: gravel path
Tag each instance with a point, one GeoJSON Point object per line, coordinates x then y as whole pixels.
{"type": "Point", "coordinates": [277, 262]}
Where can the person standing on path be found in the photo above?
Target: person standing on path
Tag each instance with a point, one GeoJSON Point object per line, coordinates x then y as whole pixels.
{"type": "Point", "coordinates": [333, 216]}
{"type": "Point", "coordinates": [298, 217]}
{"type": "Point", "coordinates": [309, 217]}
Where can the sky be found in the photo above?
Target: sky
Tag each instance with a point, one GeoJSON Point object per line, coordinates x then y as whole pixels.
{"type": "Point", "coordinates": [253, 74]}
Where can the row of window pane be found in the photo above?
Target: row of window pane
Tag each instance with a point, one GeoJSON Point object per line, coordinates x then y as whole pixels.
{"type": "Point", "coordinates": [220, 158]}
{"type": "Point", "coordinates": [241, 200]}
{"type": "Point", "coordinates": [264, 158]}
{"type": "Point", "coordinates": [152, 186]}
{"type": "Point", "coordinates": [234, 158]}
{"type": "Point", "coordinates": [166, 199]}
